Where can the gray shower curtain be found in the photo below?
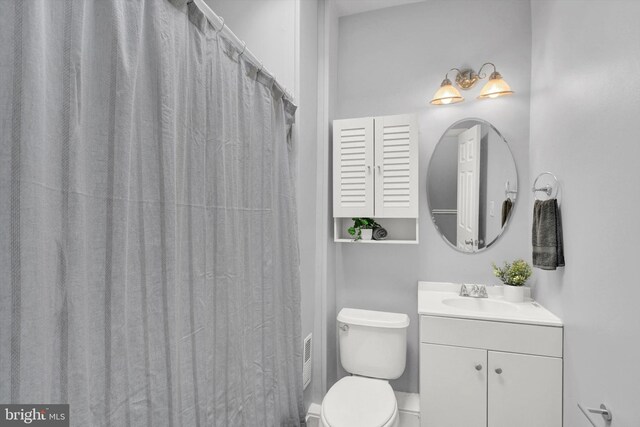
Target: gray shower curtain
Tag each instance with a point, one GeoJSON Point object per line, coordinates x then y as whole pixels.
{"type": "Point", "coordinates": [148, 247]}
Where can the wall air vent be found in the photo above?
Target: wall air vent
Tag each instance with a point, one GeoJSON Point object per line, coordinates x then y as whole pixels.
{"type": "Point", "coordinates": [306, 364]}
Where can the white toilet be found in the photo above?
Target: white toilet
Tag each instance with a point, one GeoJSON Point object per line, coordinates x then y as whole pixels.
{"type": "Point", "coordinates": [373, 348]}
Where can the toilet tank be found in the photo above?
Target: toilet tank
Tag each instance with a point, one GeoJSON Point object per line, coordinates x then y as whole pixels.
{"type": "Point", "coordinates": [373, 343]}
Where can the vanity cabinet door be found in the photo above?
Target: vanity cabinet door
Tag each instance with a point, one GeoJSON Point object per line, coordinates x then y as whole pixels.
{"type": "Point", "coordinates": [453, 386]}
{"type": "Point", "coordinates": [524, 390]}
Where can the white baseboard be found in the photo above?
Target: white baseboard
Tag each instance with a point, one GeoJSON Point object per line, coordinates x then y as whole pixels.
{"type": "Point", "coordinates": [313, 415]}
{"type": "Point", "coordinates": [408, 408]}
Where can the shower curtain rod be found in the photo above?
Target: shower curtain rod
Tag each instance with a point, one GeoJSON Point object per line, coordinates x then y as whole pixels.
{"type": "Point", "coordinates": [221, 26]}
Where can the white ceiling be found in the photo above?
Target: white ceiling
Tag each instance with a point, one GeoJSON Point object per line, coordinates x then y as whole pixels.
{"type": "Point", "coordinates": [351, 7]}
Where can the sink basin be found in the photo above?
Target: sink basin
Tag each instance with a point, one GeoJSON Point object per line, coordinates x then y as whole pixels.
{"type": "Point", "coordinates": [442, 299]}
{"type": "Point", "coordinates": [483, 305]}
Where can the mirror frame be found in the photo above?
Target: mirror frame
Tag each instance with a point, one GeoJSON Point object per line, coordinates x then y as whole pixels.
{"type": "Point", "coordinates": [515, 205]}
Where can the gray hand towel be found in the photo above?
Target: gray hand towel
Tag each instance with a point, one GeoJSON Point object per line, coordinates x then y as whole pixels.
{"type": "Point", "coordinates": [546, 236]}
{"type": "Point", "coordinates": [507, 205]}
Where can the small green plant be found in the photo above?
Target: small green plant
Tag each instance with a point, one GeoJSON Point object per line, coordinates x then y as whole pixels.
{"type": "Point", "coordinates": [360, 224]}
{"type": "Point", "coordinates": [514, 274]}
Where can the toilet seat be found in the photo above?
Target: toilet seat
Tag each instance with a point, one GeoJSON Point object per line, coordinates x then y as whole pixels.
{"type": "Point", "coordinates": [359, 402]}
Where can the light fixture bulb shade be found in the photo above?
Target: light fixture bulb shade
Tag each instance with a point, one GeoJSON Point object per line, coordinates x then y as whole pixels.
{"type": "Point", "coordinates": [447, 94]}
{"type": "Point", "coordinates": [495, 87]}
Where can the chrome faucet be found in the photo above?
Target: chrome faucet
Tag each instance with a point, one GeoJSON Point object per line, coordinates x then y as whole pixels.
{"type": "Point", "coordinates": [473, 291]}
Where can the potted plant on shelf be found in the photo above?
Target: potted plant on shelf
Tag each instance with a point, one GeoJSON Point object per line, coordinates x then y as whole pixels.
{"type": "Point", "coordinates": [514, 275]}
{"type": "Point", "coordinates": [362, 228]}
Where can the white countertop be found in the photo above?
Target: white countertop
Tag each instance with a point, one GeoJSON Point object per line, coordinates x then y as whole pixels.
{"type": "Point", "coordinates": [432, 294]}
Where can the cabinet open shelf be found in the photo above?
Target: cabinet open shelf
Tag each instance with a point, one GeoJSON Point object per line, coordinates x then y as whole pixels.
{"type": "Point", "coordinates": [400, 231]}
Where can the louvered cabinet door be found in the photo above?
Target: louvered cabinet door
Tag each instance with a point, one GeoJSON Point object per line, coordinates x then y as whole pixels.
{"type": "Point", "coordinates": [353, 168]}
{"type": "Point", "coordinates": [396, 168]}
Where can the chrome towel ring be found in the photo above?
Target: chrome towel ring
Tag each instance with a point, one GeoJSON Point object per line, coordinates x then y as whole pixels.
{"type": "Point", "coordinates": [550, 190]}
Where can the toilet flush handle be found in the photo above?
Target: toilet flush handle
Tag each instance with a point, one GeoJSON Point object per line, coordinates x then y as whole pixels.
{"type": "Point", "coordinates": [344, 327]}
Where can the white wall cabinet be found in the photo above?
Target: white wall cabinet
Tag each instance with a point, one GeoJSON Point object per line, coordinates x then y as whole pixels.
{"type": "Point", "coordinates": [375, 174]}
{"type": "Point", "coordinates": [375, 167]}
{"type": "Point", "coordinates": [486, 387]}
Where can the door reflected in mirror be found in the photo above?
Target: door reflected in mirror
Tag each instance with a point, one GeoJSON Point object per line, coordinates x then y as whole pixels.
{"type": "Point", "coordinates": [472, 185]}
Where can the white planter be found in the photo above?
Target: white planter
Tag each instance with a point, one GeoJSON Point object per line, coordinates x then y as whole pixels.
{"type": "Point", "coordinates": [513, 293]}
{"type": "Point", "coordinates": [366, 234]}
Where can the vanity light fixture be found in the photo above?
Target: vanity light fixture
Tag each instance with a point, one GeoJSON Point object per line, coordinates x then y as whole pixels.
{"type": "Point", "coordinates": [466, 79]}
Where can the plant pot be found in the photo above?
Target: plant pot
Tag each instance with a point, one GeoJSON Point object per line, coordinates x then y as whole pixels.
{"type": "Point", "coordinates": [366, 234]}
{"type": "Point", "coordinates": [513, 293]}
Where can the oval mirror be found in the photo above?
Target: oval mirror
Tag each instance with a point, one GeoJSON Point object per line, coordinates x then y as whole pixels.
{"type": "Point", "coordinates": [472, 185]}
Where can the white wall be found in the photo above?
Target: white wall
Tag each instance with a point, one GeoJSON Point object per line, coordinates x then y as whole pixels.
{"type": "Point", "coordinates": [391, 61]}
{"type": "Point", "coordinates": [585, 107]}
{"type": "Point", "coordinates": [268, 27]}
{"type": "Point", "coordinates": [306, 124]}
{"type": "Point", "coordinates": [328, 87]}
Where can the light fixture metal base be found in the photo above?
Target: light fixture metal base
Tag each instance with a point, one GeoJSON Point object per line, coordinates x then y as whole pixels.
{"type": "Point", "coordinates": [467, 78]}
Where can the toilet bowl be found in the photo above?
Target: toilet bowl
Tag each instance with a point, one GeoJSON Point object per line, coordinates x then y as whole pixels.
{"type": "Point", "coordinates": [373, 349]}
{"type": "Point", "coordinates": [359, 402]}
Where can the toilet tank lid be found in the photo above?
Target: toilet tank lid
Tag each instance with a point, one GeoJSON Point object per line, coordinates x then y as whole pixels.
{"type": "Point", "coordinates": [378, 319]}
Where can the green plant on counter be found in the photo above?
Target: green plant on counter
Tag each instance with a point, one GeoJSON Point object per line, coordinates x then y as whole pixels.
{"type": "Point", "coordinates": [360, 224]}
{"type": "Point", "coordinates": [514, 274]}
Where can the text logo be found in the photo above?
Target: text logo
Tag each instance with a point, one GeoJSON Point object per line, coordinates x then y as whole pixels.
{"type": "Point", "coordinates": [37, 415]}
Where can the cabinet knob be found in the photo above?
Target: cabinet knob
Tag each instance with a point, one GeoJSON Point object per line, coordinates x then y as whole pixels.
{"type": "Point", "coordinates": [498, 371]}
{"type": "Point", "coordinates": [368, 169]}
{"type": "Point", "coordinates": [478, 367]}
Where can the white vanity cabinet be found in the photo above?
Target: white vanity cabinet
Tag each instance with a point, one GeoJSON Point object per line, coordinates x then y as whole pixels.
{"type": "Point", "coordinates": [477, 373]}
{"type": "Point", "coordinates": [375, 173]}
